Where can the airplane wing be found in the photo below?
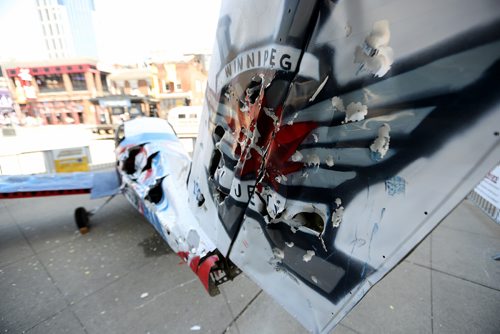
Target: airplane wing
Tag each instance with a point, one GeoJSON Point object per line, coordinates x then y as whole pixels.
{"type": "Point", "coordinates": [336, 135]}
{"type": "Point", "coordinates": [98, 184]}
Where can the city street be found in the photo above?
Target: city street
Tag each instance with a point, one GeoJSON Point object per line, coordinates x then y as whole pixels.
{"type": "Point", "coordinates": [122, 278]}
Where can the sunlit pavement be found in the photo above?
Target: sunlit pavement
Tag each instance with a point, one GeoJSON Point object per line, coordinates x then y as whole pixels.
{"type": "Point", "coordinates": [122, 278]}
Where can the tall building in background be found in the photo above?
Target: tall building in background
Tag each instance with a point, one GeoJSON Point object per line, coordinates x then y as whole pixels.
{"type": "Point", "coordinates": [68, 28]}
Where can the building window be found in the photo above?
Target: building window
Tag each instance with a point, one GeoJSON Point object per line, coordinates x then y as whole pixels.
{"type": "Point", "coordinates": [49, 83]}
{"type": "Point", "coordinates": [104, 82]}
{"type": "Point", "coordinates": [78, 81]}
{"type": "Point", "coordinates": [117, 110]}
{"type": "Point", "coordinates": [135, 110]}
{"type": "Point", "coordinates": [168, 86]}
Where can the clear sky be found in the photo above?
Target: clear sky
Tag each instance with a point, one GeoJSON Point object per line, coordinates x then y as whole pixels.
{"type": "Point", "coordinates": [126, 30]}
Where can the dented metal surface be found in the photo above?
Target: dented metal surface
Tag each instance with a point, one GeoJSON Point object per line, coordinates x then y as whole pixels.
{"type": "Point", "coordinates": [154, 168]}
{"type": "Point", "coordinates": [336, 135]}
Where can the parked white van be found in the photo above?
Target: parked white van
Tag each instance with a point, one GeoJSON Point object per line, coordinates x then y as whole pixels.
{"type": "Point", "coordinates": [185, 120]}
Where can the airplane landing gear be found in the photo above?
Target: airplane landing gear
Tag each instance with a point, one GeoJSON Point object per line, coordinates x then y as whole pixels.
{"type": "Point", "coordinates": [82, 220]}
{"type": "Point", "coordinates": [82, 216]}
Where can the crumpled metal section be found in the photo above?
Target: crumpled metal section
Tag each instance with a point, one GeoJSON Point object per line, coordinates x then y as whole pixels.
{"type": "Point", "coordinates": [336, 135]}
{"type": "Point", "coordinates": [154, 169]}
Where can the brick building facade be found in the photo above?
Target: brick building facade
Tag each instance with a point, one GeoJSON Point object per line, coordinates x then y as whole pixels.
{"type": "Point", "coordinates": [58, 91]}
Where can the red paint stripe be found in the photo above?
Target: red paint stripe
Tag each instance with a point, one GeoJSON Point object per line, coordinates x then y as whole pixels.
{"type": "Point", "coordinates": [44, 193]}
{"type": "Point", "coordinates": [194, 264]}
{"type": "Point", "coordinates": [204, 270]}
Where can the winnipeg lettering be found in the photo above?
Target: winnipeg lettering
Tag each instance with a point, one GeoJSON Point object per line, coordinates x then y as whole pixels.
{"type": "Point", "coordinates": [266, 58]}
{"type": "Point", "coordinates": [273, 57]}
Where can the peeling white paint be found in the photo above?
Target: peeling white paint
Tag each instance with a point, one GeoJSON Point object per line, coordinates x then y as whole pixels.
{"type": "Point", "coordinates": [381, 144]}
{"type": "Point", "coordinates": [356, 111]}
{"type": "Point", "coordinates": [245, 107]}
{"type": "Point", "coordinates": [319, 89]}
{"type": "Point", "coordinates": [254, 140]}
{"type": "Point", "coordinates": [289, 244]}
{"type": "Point", "coordinates": [329, 161]}
{"type": "Point", "coordinates": [378, 64]}
{"type": "Point", "coordinates": [246, 132]}
{"type": "Point", "coordinates": [376, 56]}
{"type": "Point", "coordinates": [315, 137]}
{"type": "Point", "coordinates": [337, 216]}
{"type": "Point", "coordinates": [380, 34]}
{"type": "Point", "coordinates": [308, 255]}
{"type": "Point", "coordinates": [281, 178]}
{"type": "Point", "coordinates": [290, 122]}
{"type": "Point", "coordinates": [270, 112]}
{"type": "Point", "coordinates": [323, 242]}
{"type": "Point", "coordinates": [297, 156]}
{"type": "Point", "coordinates": [338, 104]}
{"type": "Point", "coordinates": [338, 213]}
{"type": "Point", "coordinates": [312, 160]}
{"type": "Point", "coordinates": [278, 253]}
{"type": "Point", "coordinates": [314, 279]}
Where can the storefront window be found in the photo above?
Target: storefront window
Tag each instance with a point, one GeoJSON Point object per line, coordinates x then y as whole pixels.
{"type": "Point", "coordinates": [78, 81]}
{"type": "Point", "coordinates": [135, 110]}
{"type": "Point", "coordinates": [49, 83]}
{"type": "Point", "coordinates": [80, 117]}
{"type": "Point", "coordinates": [117, 110]}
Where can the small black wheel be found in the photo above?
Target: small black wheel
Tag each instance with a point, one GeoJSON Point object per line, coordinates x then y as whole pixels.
{"type": "Point", "coordinates": [82, 220]}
